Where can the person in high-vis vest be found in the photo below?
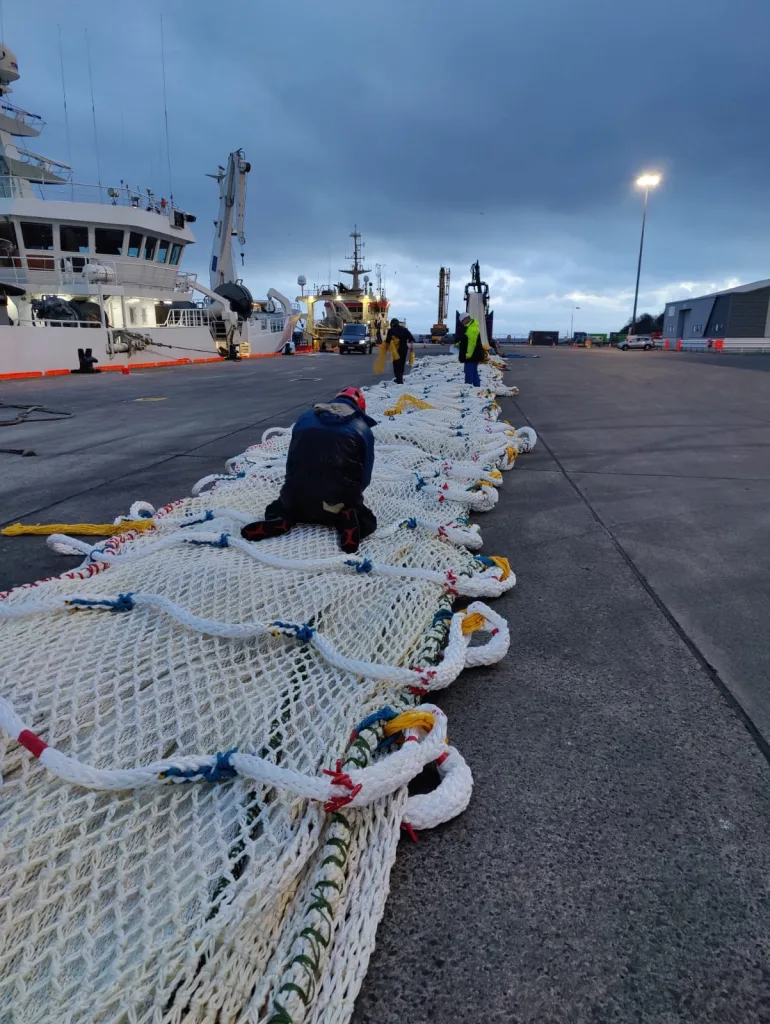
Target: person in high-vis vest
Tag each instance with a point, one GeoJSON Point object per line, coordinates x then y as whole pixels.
{"type": "Point", "coordinates": [471, 350]}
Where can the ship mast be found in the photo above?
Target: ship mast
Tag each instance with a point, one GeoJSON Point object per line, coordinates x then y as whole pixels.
{"type": "Point", "coordinates": [358, 267]}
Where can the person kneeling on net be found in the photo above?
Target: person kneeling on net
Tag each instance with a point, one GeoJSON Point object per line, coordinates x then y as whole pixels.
{"type": "Point", "coordinates": [328, 468]}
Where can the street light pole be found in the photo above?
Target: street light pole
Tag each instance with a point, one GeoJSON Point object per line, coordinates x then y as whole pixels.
{"type": "Point", "coordinates": [639, 263]}
{"type": "Point", "coordinates": [645, 181]}
{"type": "Point", "coordinates": [572, 322]}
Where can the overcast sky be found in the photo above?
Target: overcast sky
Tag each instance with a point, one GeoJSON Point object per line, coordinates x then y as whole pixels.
{"type": "Point", "coordinates": [499, 130]}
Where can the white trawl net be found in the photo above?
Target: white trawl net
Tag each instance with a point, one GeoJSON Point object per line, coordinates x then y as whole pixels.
{"type": "Point", "coordinates": [188, 846]}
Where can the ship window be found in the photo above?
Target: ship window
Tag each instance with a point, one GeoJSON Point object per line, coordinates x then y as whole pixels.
{"type": "Point", "coordinates": [135, 244]}
{"type": "Point", "coordinates": [74, 237]}
{"type": "Point", "coordinates": [109, 241]}
{"type": "Point", "coordinates": [37, 236]}
{"type": "Point", "coordinates": [163, 245]}
{"type": "Point", "coordinates": [9, 250]}
{"type": "Point", "coordinates": [149, 247]}
{"type": "Point", "coordinates": [176, 253]}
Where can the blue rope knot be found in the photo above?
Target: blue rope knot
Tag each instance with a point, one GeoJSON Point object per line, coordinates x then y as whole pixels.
{"type": "Point", "coordinates": [420, 482]}
{"type": "Point", "coordinates": [222, 542]}
{"type": "Point", "coordinates": [219, 771]}
{"type": "Point", "coordinates": [459, 433]}
{"type": "Point", "coordinates": [409, 524]}
{"type": "Point", "coordinates": [385, 714]}
{"type": "Point", "coordinates": [442, 615]}
{"type": "Point", "coordinates": [122, 603]}
{"type": "Point", "coordinates": [145, 514]}
{"type": "Point", "coordinates": [364, 565]}
{"type": "Point", "coordinates": [485, 560]}
{"type": "Point", "coordinates": [194, 522]}
{"type": "Point", "coordinates": [301, 631]}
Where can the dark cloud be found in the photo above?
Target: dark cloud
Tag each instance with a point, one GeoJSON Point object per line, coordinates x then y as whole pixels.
{"type": "Point", "coordinates": [508, 132]}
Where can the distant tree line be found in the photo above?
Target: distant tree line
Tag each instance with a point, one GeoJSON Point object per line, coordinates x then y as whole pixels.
{"type": "Point", "coordinates": [644, 324]}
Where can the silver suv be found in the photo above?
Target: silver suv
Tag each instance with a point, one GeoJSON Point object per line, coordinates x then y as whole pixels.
{"type": "Point", "coordinates": [644, 341]}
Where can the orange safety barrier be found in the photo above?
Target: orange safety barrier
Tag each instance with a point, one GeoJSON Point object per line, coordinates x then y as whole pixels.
{"type": "Point", "coordinates": [679, 345]}
{"type": "Point", "coordinates": [118, 367]}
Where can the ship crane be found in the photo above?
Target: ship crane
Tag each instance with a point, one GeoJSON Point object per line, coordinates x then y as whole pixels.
{"type": "Point", "coordinates": [477, 304]}
{"type": "Point", "coordinates": [229, 222]}
{"type": "Point", "coordinates": [440, 330]}
{"type": "Point", "coordinates": [229, 298]}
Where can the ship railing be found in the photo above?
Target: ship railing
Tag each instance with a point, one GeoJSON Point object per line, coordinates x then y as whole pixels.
{"type": "Point", "coordinates": [188, 318]}
{"type": "Point", "coordinates": [273, 322]}
{"type": "Point", "coordinates": [14, 187]}
{"type": "Point", "coordinates": [23, 116]}
{"type": "Point", "coordinates": [51, 272]}
{"type": "Point", "coordinates": [37, 322]}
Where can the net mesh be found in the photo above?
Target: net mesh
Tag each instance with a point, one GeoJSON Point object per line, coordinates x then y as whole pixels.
{"type": "Point", "coordinates": [238, 901]}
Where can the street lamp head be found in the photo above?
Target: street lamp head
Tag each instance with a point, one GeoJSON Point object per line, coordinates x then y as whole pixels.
{"type": "Point", "coordinates": [648, 180]}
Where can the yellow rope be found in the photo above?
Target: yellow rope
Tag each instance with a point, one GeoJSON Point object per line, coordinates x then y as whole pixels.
{"type": "Point", "coordinates": [379, 362]}
{"type": "Point", "coordinates": [504, 564]}
{"type": "Point", "coordinates": [407, 400]}
{"type": "Point", "coordinates": [97, 529]}
{"type": "Point", "coordinates": [409, 720]}
{"type": "Point", "coordinates": [511, 453]}
{"type": "Point", "coordinates": [473, 622]}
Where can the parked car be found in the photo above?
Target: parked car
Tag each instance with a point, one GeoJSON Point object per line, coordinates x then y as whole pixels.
{"type": "Point", "coordinates": [644, 341]}
{"type": "Point", "coordinates": [355, 338]}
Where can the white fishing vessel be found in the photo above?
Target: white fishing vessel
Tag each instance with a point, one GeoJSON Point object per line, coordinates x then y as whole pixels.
{"type": "Point", "coordinates": [100, 267]}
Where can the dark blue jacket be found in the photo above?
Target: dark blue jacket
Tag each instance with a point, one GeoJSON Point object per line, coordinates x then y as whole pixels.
{"type": "Point", "coordinates": [331, 456]}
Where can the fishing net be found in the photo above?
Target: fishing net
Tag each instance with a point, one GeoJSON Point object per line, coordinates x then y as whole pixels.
{"type": "Point", "coordinates": [206, 743]}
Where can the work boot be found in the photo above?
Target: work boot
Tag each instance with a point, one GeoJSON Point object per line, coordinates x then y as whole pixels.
{"type": "Point", "coordinates": [349, 531]}
{"type": "Point", "coordinates": [266, 528]}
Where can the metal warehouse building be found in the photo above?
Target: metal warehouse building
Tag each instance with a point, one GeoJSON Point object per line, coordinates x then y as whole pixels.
{"type": "Point", "coordinates": [735, 313]}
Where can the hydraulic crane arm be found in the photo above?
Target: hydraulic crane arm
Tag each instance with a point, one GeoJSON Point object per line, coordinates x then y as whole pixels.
{"type": "Point", "coordinates": [230, 219]}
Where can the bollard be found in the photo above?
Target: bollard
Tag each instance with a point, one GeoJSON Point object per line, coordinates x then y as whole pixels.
{"type": "Point", "coordinates": [679, 345]}
{"type": "Point", "coordinates": [666, 345]}
{"type": "Point", "coordinates": [125, 371]}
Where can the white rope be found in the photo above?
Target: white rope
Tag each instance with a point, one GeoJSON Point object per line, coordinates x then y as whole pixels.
{"type": "Point", "coordinates": [454, 656]}
{"type": "Point", "coordinates": [491, 583]}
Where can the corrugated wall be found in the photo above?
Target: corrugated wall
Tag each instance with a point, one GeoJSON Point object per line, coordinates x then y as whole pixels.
{"type": "Point", "coordinates": [748, 314]}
